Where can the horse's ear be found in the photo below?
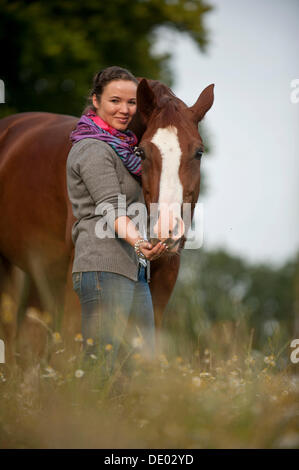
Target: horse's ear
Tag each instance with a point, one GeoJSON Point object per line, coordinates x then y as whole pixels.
{"type": "Point", "coordinates": [146, 101]}
{"type": "Point", "coordinates": [203, 104]}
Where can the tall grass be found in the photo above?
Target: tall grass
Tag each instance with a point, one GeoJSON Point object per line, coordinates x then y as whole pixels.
{"type": "Point", "coordinates": [204, 394]}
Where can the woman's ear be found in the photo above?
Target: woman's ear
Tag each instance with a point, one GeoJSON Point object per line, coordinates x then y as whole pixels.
{"type": "Point", "coordinates": [95, 101]}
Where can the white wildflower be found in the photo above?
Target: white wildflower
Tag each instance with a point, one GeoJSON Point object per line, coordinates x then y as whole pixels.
{"type": "Point", "coordinates": [79, 373]}
{"type": "Point", "coordinates": [196, 381]}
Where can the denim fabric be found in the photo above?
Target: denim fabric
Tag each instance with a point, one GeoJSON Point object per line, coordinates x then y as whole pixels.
{"type": "Point", "coordinates": [115, 311]}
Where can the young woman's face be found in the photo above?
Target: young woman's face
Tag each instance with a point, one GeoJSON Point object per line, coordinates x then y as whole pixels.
{"type": "Point", "coordinates": [117, 103]}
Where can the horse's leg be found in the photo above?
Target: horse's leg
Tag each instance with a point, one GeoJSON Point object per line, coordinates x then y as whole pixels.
{"type": "Point", "coordinates": [58, 281]}
{"type": "Point", "coordinates": [19, 293]}
{"type": "Point", "coordinates": [164, 273]}
{"type": "Point", "coordinates": [50, 281]}
{"type": "Point", "coordinates": [24, 299]}
{"type": "Point", "coordinates": [44, 289]}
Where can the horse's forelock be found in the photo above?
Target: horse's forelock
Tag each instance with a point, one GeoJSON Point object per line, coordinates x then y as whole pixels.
{"type": "Point", "coordinates": [168, 105]}
{"type": "Point", "coordinates": [161, 91]}
{"type": "Point", "coordinates": [170, 112]}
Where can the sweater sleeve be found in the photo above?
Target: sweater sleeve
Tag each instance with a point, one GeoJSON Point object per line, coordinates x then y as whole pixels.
{"type": "Point", "coordinates": [96, 165]}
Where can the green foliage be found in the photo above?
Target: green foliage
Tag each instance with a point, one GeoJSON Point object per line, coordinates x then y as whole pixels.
{"type": "Point", "coordinates": [53, 49]}
{"type": "Point", "coordinates": [218, 288]}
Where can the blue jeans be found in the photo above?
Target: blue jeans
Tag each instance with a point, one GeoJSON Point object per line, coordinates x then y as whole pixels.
{"type": "Point", "coordinates": [110, 301]}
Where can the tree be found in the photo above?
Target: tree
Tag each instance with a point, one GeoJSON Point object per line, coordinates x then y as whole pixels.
{"type": "Point", "coordinates": [215, 287]}
{"type": "Point", "coordinates": [53, 49]}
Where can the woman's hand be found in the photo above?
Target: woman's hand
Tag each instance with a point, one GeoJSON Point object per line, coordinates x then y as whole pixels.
{"type": "Point", "coordinates": [151, 252]}
{"type": "Point", "coordinates": [126, 229]}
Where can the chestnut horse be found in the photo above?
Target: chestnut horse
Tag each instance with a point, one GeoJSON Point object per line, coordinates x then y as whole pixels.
{"type": "Point", "coordinates": [36, 214]}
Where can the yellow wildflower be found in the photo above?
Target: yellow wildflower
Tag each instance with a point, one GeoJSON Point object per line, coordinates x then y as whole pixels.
{"type": "Point", "coordinates": [7, 308]}
{"type": "Point", "coordinates": [47, 318]}
{"type": "Point", "coordinates": [269, 360]}
{"type": "Point", "coordinates": [90, 342]}
{"type": "Point", "coordinates": [108, 347]}
{"type": "Point", "coordinates": [7, 316]}
{"type": "Point", "coordinates": [137, 342]}
{"type": "Point", "coordinates": [249, 361]}
{"type": "Point", "coordinates": [79, 338]}
{"type": "Point", "coordinates": [57, 337]}
{"type": "Point", "coordinates": [163, 361]}
{"type": "Point", "coordinates": [163, 358]}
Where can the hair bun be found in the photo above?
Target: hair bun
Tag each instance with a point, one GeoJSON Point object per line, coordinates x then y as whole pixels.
{"type": "Point", "coordinates": [97, 76]}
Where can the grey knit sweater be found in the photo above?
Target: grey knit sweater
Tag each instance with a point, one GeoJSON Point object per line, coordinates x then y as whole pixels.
{"type": "Point", "coordinates": [97, 178]}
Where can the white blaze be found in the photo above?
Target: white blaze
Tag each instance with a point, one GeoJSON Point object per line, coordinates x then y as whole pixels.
{"type": "Point", "coordinates": [171, 189]}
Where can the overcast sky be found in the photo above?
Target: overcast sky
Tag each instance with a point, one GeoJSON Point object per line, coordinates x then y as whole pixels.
{"type": "Point", "coordinates": [252, 203]}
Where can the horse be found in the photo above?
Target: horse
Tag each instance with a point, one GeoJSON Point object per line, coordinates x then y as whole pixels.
{"type": "Point", "coordinates": [36, 217]}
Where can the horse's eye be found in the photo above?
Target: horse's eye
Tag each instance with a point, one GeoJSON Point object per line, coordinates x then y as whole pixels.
{"type": "Point", "coordinates": [198, 154]}
{"type": "Point", "coordinates": [139, 152]}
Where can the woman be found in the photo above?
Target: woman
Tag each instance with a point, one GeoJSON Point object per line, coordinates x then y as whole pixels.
{"type": "Point", "coordinates": [103, 179]}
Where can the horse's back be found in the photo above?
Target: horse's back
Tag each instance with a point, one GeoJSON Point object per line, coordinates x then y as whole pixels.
{"type": "Point", "coordinates": [24, 128]}
{"type": "Point", "coordinates": [33, 195]}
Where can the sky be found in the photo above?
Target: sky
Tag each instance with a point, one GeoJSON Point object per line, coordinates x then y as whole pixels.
{"type": "Point", "coordinates": [251, 206]}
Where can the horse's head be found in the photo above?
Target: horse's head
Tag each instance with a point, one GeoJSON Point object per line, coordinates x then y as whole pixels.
{"type": "Point", "coordinates": [171, 150]}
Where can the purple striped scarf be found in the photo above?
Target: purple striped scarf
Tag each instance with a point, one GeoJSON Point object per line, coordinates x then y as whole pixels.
{"type": "Point", "coordinates": [123, 143]}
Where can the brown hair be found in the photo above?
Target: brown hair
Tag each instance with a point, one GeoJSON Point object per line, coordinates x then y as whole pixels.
{"type": "Point", "coordinates": [105, 76]}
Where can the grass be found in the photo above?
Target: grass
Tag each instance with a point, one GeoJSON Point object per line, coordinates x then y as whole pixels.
{"type": "Point", "coordinates": [200, 399]}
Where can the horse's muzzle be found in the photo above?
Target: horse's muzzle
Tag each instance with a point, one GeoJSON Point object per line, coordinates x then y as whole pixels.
{"type": "Point", "coordinates": [172, 244]}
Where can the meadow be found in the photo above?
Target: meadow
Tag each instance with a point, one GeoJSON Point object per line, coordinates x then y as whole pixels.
{"type": "Point", "coordinates": [226, 396]}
